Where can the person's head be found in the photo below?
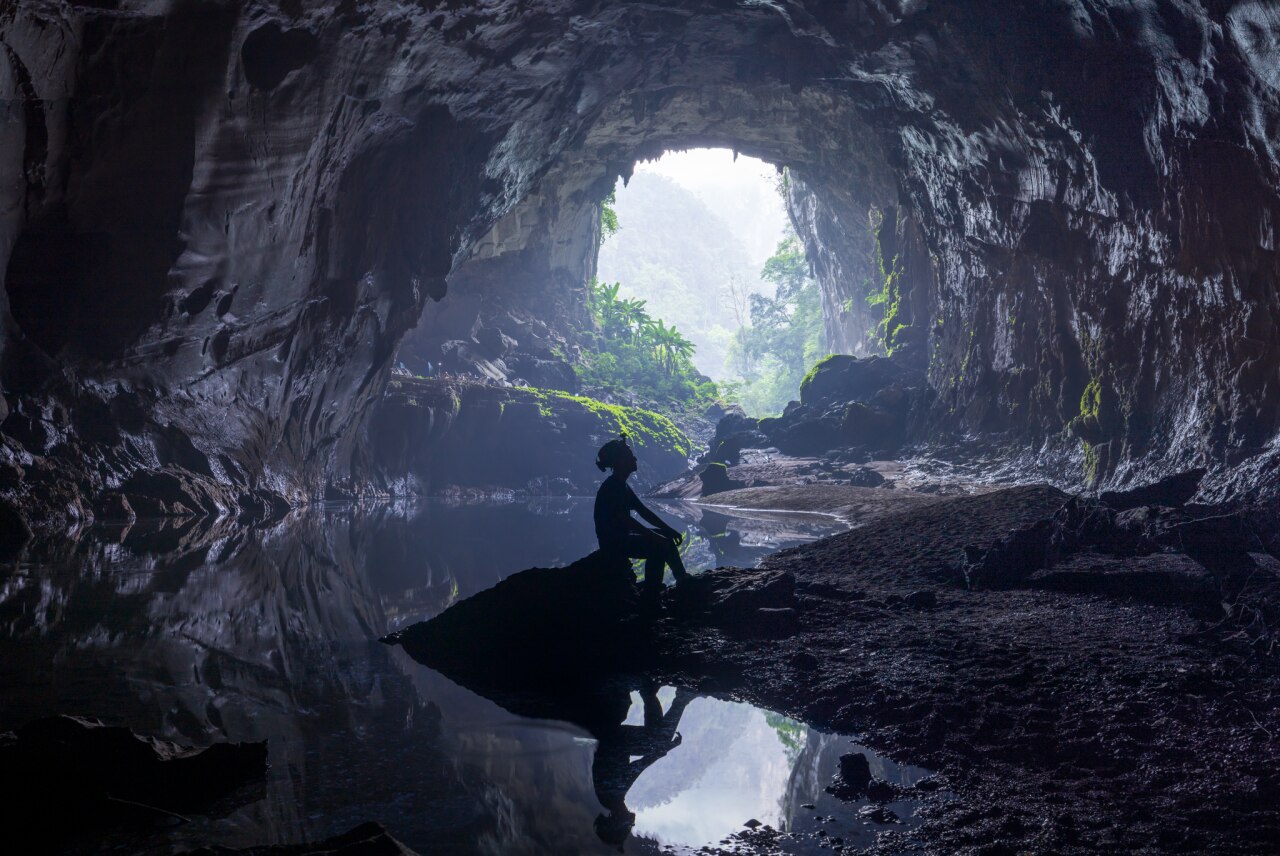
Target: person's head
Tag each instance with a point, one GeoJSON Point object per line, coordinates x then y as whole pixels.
{"type": "Point", "coordinates": [616, 455]}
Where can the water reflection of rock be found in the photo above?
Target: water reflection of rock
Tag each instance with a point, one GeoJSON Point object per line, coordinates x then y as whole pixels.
{"type": "Point", "coordinates": [270, 633]}
{"type": "Point", "coordinates": [204, 634]}
{"type": "Point", "coordinates": [724, 538]}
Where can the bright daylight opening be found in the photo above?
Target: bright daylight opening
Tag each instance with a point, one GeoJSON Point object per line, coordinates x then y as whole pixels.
{"type": "Point", "coordinates": [702, 289]}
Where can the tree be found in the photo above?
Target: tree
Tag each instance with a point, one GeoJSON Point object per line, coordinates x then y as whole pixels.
{"type": "Point", "coordinates": [608, 217]}
{"type": "Point", "coordinates": [637, 354]}
{"type": "Point", "coordinates": [787, 268]}
{"type": "Point", "coordinates": [634, 319]}
{"type": "Point", "coordinates": [670, 346]}
{"type": "Point", "coordinates": [785, 335]}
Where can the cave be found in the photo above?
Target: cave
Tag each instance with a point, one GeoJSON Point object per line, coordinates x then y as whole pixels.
{"type": "Point", "coordinates": [308, 379]}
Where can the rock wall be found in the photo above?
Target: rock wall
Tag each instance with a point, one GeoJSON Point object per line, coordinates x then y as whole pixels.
{"type": "Point", "coordinates": [432, 435]}
{"type": "Point", "coordinates": [516, 307]}
{"type": "Point", "coordinates": [219, 220]}
{"type": "Point", "coordinates": [844, 256]}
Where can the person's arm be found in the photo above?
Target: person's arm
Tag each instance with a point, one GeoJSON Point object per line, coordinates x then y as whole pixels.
{"type": "Point", "coordinates": [661, 525]}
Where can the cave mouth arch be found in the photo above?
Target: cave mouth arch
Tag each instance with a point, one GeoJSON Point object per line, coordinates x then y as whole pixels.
{"type": "Point", "coordinates": [704, 239]}
{"type": "Point", "coordinates": [526, 279]}
{"type": "Point", "coordinates": [1068, 269]}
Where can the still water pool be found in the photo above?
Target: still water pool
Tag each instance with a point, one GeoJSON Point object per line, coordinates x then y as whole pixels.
{"type": "Point", "coordinates": [213, 633]}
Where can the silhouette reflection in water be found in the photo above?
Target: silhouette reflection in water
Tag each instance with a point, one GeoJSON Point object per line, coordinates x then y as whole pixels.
{"type": "Point", "coordinates": [202, 632]}
{"type": "Point", "coordinates": [626, 751]}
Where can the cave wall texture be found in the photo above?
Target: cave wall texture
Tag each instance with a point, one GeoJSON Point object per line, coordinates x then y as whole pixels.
{"type": "Point", "coordinates": [219, 220]}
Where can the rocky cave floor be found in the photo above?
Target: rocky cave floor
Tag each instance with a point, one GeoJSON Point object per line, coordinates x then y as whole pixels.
{"type": "Point", "coordinates": [1094, 718]}
{"type": "Point", "coordinates": [1082, 675]}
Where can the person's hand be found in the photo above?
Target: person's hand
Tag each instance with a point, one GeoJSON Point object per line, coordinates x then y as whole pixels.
{"type": "Point", "coordinates": [676, 537]}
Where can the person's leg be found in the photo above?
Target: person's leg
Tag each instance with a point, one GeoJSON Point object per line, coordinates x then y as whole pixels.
{"type": "Point", "coordinates": [676, 563]}
{"type": "Point", "coordinates": [647, 547]}
{"type": "Point", "coordinates": [653, 573]}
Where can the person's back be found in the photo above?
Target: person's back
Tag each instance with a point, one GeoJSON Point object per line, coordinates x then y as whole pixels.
{"type": "Point", "coordinates": [613, 513]}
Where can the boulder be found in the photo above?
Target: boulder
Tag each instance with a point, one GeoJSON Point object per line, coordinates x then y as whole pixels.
{"type": "Point", "coordinates": [493, 343]}
{"type": "Point", "coordinates": [540, 627]}
{"type": "Point", "coordinates": [1158, 578]}
{"type": "Point", "coordinates": [864, 425]}
{"type": "Point", "coordinates": [1174, 491]}
{"type": "Point", "coordinates": [808, 437]}
{"type": "Point", "coordinates": [1012, 560]}
{"type": "Point", "coordinates": [729, 449]}
{"type": "Point", "coordinates": [865, 477]}
{"type": "Point", "coordinates": [842, 378]}
{"type": "Point", "coordinates": [172, 491]}
{"type": "Point", "coordinates": [113, 507]}
{"type": "Point", "coordinates": [78, 775]}
{"type": "Point", "coordinates": [735, 422]}
{"type": "Point", "coordinates": [715, 479]}
{"type": "Point", "coordinates": [750, 603]}
{"type": "Point", "coordinates": [852, 778]}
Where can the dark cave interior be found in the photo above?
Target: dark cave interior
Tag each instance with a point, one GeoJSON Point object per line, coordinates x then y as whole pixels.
{"type": "Point", "coordinates": [224, 224]}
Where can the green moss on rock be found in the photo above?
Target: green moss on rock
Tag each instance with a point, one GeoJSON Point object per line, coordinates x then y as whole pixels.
{"type": "Point", "coordinates": [813, 372]}
{"type": "Point", "coordinates": [643, 427]}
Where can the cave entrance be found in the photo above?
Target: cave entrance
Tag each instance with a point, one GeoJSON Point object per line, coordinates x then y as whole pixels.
{"type": "Point", "coordinates": [701, 241]}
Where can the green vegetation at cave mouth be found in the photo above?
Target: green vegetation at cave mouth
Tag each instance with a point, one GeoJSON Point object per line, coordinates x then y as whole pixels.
{"type": "Point", "coordinates": [646, 429]}
{"type": "Point", "coordinates": [651, 327]}
{"type": "Point", "coordinates": [671, 249]}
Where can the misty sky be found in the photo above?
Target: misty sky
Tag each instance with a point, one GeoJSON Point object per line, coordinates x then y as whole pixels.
{"type": "Point", "coordinates": [743, 189]}
{"type": "Point", "coordinates": [693, 226]}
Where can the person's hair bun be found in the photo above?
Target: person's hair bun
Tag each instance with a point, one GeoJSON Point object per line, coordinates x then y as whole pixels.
{"type": "Point", "coordinates": [600, 466]}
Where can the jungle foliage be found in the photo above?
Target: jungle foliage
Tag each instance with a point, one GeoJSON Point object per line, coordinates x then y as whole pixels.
{"type": "Point", "coordinates": [637, 355]}
{"type": "Point", "coordinates": [772, 338]}
{"type": "Point", "coordinates": [785, 336]}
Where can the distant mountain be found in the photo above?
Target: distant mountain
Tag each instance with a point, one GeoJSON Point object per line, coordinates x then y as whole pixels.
{"type": "Point", "coordinates": [678, 254]}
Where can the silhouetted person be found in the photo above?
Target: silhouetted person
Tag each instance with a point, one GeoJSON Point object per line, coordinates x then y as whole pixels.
{"type": "Point", "coordinates": [621, 534]}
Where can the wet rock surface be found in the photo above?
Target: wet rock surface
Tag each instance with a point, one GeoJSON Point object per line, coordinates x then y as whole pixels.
{"type": "Point", "coordinates": [850, 408]}
{"type": "Point", "coordinates": [73, 777]}
{"type": "Point", "coordinates": [543, 627]}
{"type": "Point", "coordinates": [1090, 705]}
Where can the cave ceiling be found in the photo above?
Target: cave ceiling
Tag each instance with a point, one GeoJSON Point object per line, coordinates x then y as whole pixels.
{"type": "Point", "coordinates": [218, 221]}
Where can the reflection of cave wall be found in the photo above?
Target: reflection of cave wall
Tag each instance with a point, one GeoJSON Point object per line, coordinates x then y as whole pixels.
{"type": "Point", "coordinates": [204, 632]}
{"type": "Point", "coordinates": [215, 244]}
